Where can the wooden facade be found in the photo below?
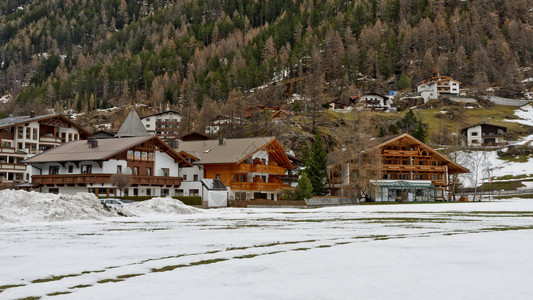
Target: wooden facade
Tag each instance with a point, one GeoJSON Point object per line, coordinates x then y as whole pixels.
{"type": "Point", "coordinates": [403, 158]}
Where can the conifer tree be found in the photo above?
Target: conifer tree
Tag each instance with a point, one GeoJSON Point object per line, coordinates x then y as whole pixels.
{"type": "Point", "coordinates": [315, 158]}
{"type": "Point", "coordinates": [305, 188]}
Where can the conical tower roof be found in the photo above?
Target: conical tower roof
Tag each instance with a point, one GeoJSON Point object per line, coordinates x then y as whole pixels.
{"type": "Point", "coordinates": [132, 126]}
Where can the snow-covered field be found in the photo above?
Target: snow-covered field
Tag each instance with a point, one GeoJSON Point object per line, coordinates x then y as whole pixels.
{"type": "Point", "coordinates": [402, 251]}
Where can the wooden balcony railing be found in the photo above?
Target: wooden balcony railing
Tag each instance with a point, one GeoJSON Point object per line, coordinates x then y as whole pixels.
{"type": "Point", "coordinates": [257, 186]}
{"type": "Point", "coordinates": [408, 153]}
{"type": "Point", "coordinates": [104, 178]}
{"type": "Point", "coordinates": [414, 168]}
{"type": "Point", "coordinates": [257, 168]}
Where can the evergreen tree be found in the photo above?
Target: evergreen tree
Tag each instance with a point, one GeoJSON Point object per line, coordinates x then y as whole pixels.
{"type": "Point", "coordinates": [305, 188]}
{"type": "Point", "coordinates": [315, 158]}
{"type": "Point", "coordinates": [404, 82]}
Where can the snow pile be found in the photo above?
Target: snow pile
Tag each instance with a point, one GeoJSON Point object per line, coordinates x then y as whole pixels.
{"type": "Point", "coordinates": [22, 206]}
{"type": "Point", "coordinates": [159, 206]}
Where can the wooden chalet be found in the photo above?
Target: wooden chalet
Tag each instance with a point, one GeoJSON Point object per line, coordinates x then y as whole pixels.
{"type": "Point", "coordinates": [410, 171]}
{"type": "Point", "coordinates": [149, 165]}
{"type": "Point", "coordinates": [252, 167]}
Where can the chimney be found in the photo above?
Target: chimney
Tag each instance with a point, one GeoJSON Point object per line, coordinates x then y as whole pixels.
{"type": "Point", "coordinates": [93, 142]}
{"type": "Point", "coordinates": [221, 141]}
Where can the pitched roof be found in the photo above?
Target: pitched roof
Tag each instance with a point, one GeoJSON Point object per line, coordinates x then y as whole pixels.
{"type": "Point", "coordinates": [340, 156]}
{"type": "Point", "coordinates": [107, 148]}
{"type": "Point", "coordinates": [161, 113]}
{"type": "Point", "coordinates": [231, 151]}
{"type": "Point", "coordinates": [132, 126]}
{"type": "Point", "coordinates": [484, 124]}
{"type": "Point", "coordinates": [14, 121]}
{"type": "Point", "coordinates": [437, 79]}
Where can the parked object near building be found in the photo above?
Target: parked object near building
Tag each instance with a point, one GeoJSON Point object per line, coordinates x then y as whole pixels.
{"type": "Point", "coordinates": [410, 171]}
{"type": "Point", "coordinates": [164, 124]}
{"type": "Point", "coordinates": [250, 167]}
{"type": "Point", "coordinates": [134, 166]}
{"type": "Point", "coordinates": [25, 136]}
{"type": "Point", "coordinates": [435, 87]}
{"type": "Point", "coordinates": [484, 134]}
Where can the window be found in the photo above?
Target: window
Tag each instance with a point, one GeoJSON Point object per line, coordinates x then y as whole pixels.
{"type": "Point", "coordinates": [19, 145]}
{"type": "Point", "coordinates": [195, 177]}
{"type": "Point", "coordinates": [76, 137]}
{"type": "Point", "coordinates": [135, 192]}
{"type": "Point", "coordinates": [53, 170]}
{"type": "Point", "coordinates": [474, 133]}
{"type": "Point", "coordinates": [404, 162]}
{"type": "Point", "coordinates": [63, 137]}
{"type": "Point", "coordinates": [119, 169]}
{"type": "Point", "coordinates": [243, 178]}
{"type": "Point", "coordinates": [20, 132]}
{"type": "Point", "coordinates": [147, 125]}
{"type": "Point", "coordinates": [86, 169]}
{"type": "Point", "coordinates": [70, 168]}
{"type": "Point", "coordinates": [194, 192]}
{"type": "Point", "coordinates": [28, 133]}
{"type": "Point", "coordinates": [436, 177]}
{"type": "Point", "coordinates": [184, 177]}
{"type": "Point", "coordinates": [135, 170]}
{"type": "Point", "coordinates": [35, 133]}
{"type": "Point", "coordinates": [164, 192]}
{"type": "Point", "coordinates": [421, 162]}
{"type": "Point", "coordinates": [147, 119]}
{"type": "Point", "coordinates": [179, 192]}
{"type": "Point", "coordinates": [70, 136]}
{"type": "Point", "coordinates": [236, 177]}
{"type": "Point", "coordinates": [404, 176]}
{"type": "Point", "coordinates": [148, 171]}
{"type": "Point", "coordinates": [53, 190]}
{"type": "Point", "coordinates": [165, 172]}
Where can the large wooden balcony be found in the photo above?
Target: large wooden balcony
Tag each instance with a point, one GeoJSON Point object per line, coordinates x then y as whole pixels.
{"type": "Point", "coordinates": [82, 179]}
{"type": "Point", "coordinates": [403, 153]}
{"type": "Point", "coordinates": [414, 168]}
{"type": "Point", "coordinates": [258, 168]}
{"type": "Point", "coordinates": [257, 186]}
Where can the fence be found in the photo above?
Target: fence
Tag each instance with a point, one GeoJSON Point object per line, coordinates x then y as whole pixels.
{"type": "Point", "coordinates": [506, 101]}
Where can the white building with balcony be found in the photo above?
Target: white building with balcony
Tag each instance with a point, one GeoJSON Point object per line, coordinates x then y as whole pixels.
{"type": "Point", "coordinates": [133, 166]}
{"type": "Point", "coordinates": [164, 124]}
{"type": "Point", "coordinates": [435, 87]}
{"type": "Point", "coordinates": [25, 136]}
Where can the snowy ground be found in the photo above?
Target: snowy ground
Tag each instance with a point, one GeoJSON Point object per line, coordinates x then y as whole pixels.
{"type": "Point", "coordinates": [409, 251]}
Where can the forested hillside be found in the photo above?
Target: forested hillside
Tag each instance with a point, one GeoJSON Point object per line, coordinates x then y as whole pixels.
{"type": "Point", "coordinates": [86, 54]}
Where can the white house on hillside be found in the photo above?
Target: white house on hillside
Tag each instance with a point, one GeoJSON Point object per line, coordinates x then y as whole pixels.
{"type": "Point", "coordinates": [435, 87]}
{"type": "Point", "coordinates": [164, 124]}
{"type": "Point", "coordinates": [484, 135]}
{"type": "Point", "coordinates": [374, 102]}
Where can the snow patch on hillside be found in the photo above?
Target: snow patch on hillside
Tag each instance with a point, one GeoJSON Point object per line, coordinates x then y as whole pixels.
{"type": "Point", "coordinates": [525, 113]}
{"type": "Point", "coordinates": [22, 206]}
{"type": "Point", "coordinates": [159, 206]}
{"type": "Point", "coordinates": [5, 98]}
